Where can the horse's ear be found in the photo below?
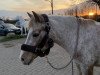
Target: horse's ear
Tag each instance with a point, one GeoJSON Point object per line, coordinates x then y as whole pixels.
{"type": "Point", "coordinates": [37, 19]}
{"type": "Point", "coordinates": [30, 15]}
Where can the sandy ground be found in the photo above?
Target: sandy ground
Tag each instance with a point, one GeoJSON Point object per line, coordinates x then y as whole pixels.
{"type": "Point", "coordinates": [11, 65]}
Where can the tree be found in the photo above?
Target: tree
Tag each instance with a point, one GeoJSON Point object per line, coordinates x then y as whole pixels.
{"type": "Point", "coordinates": [97, 1]}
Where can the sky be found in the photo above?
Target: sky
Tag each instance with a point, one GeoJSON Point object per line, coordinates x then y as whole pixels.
{"type": "Point", "coordinates": [36, 5]}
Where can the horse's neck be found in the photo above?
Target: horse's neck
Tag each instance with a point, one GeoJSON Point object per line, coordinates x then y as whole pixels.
{"type": "Point", "coordinates": [63, 31]}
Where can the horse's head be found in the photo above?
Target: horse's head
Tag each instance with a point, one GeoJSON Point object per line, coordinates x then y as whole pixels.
{"type": "Point", "coordinates": [36, 43]}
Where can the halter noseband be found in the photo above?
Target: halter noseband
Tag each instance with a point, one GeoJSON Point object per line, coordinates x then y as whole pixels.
{"type": "Point", "coordinates": [37, 49]}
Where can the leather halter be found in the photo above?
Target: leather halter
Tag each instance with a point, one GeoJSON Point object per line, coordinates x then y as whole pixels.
{"type": "Point", "coordinates": [46, 40]}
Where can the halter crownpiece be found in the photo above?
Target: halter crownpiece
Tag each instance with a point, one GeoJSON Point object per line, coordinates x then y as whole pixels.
{"type": "Point", "coordinates": [46, 40]}
{"type": "Point", "coordinates": [46, 20]}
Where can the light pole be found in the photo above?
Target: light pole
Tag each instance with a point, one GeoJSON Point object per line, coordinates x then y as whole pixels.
{"type": "Point", "coordinates": [76, 11]}
{"type": "Point", "coordinates": [96, 12]}
{"type": "Point", "coordinates": [51, 4]}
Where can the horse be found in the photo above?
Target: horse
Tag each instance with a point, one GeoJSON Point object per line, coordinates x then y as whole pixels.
{"type": "Point", "coordinates": [63, 31]}
{"type": "Point", "coordinates": [1, 22]}
{"type": "Point", "coordinates": [22, 24]}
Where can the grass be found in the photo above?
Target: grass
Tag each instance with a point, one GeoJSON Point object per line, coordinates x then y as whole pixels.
{"type": "Point", "coordinates": [11, 37]}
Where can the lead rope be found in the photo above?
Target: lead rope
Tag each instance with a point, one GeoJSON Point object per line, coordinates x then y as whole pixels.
{"type": "Point", "coordinates": [72, 69]}
{"type": "Point", "coordinates": [75, 51]}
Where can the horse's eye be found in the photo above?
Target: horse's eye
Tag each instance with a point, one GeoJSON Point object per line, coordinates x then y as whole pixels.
{"type": "Point", "coordinates": [35, 34]}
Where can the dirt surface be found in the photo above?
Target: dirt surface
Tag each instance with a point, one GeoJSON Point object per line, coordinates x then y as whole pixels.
{"type": "Point", "coordinates": [11, 65]}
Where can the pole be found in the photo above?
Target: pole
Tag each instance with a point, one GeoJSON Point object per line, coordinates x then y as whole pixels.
{"type": "Point", "coordinates": [52, 6]}
{"type": "Point", "coordinates": [96, 12]}
{"type": "Point", "coordinates": [76, 12]}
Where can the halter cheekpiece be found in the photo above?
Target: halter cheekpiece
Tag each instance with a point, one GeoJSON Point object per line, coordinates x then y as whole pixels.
{"type": "Point", "coordinates": [37, 49]}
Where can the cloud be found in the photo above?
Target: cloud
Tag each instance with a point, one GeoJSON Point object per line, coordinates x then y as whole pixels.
{"type": "Point", "coordinates": [37, 5]}
{"type": "Point", "coordinates": [7, 4]}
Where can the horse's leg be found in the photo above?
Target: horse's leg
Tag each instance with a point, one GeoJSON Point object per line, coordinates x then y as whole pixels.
{"type": "Point", "coordinates": [90, 70]}
{"type": "Point", "coordinates": [87, 70]}
{"type": "Point", "coordinates": [25, 31]}
{"type": "Point", "coordinates": [79, 68]}
{"type": "Point", "coordinates": [21, 30]}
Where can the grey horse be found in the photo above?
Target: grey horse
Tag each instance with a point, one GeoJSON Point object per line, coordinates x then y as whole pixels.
{"type": "Point", "coordinates": [64, 32]}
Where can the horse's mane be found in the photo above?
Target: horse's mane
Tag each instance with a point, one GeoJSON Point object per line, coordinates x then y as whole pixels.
{"type": "Point", "coordinates": [86, 22]}
{"type": "Point", "coordinates": [83, 22]}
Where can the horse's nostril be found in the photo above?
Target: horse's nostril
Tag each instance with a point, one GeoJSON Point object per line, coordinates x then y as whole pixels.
{"type": "Point", "coordinates": [22, 59]}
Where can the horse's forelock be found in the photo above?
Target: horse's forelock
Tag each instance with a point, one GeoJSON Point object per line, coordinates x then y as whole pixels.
{"type": "Point", "coordinates": [30, 23]}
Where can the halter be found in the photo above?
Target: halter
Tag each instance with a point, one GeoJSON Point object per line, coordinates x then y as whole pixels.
{"type": "Point", "coordinates": [37, 49]}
